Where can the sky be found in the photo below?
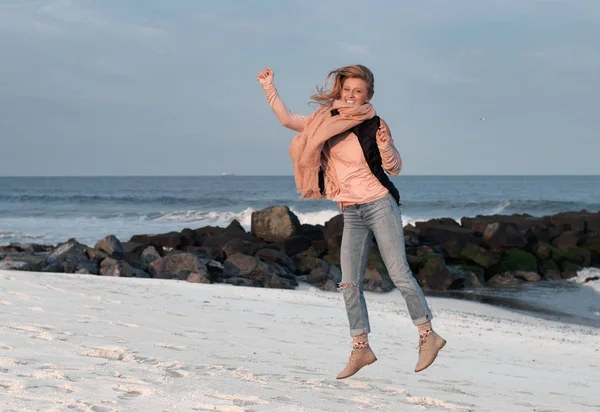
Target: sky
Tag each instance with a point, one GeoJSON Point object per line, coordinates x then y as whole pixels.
{"type": "Point", "coordinates": [154, 87]}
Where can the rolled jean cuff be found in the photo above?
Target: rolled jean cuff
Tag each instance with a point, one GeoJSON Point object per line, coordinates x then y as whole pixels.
{"type": "Point", "coordinates": [356, 332]}
{"type": "Point", "coordinates": [422, 319]}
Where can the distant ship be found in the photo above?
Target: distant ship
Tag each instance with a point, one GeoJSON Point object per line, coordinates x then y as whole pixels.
{"type": "Point", "coordinates": [227, 174]}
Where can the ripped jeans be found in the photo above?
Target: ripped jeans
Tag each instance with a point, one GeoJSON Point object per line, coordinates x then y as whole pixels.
{"type": "Point", "coordinates": [380, 218]}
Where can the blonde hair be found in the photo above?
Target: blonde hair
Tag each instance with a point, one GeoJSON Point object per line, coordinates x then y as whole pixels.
{"type": "Point", "coordinates": [325, 96]}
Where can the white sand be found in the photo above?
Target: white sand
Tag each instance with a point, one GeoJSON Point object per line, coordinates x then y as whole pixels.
{"type": "Point", "coordinates": [89, 343]}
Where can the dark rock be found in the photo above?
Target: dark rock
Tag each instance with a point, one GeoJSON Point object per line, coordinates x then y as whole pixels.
{"type": "Point", "coordinates": [27, 248]}
{"type": "Point", "coordinates": [334, 227]}
{"type": "Point", "coordinates": [35, 263]}
{"type": "Point", "coordinates": [134, 247]}
{"type": "Point", "coordinates": [568, 239]}
{"type": "Point", "coordinates": [333, 258]}
{"type": "Point", "coordinates": [593, 245]}
{"type": "Point", "coordinates": [150, 254]}
{"type": "Point", "coordinates": [235, 226]}
{"type": "Point", "coordinates": [313, 232]}
{"type": "Point", "coordinates": [306, 260]}
{"type": "Point", "coordinates": [320, 246]}
{"type": "Point", "coordinates": [577, 255]}
{"type": "Point", "coordinates": [569, 221]}
{"type": "Point", "coordinates": [377, 278]}
{"type": "Point", "coordinates": [245, 266]}
{"type": "Point", "coordinates": [452, 248]}
{"type": "Point", "coordinates": [523, 222]}
{"type": "Point", "coordinates": [138, 273]}
{"type": "Point", "coordinates": [116, 268]}
{"type": "Point", "coordinates": [437, 223]}
{"type": "Point", "coordinates": [111, 246]}
{"type": "Point", "coordinates": [237, 245]}
{"type": "Point", "coordinates": [502, 236]}
{"type": "Point", "coordinates": [319, 273]}
{"type": "Point", "coordinates": [202, 252]}
{"type": "Point", "coordinates": [411, 239]}
{"type": "Point", "coordinates": [569, 270]}
{"type": "Point", "coordinates": [14, 265]}
{"type": "Point", "coordinates": [542, 250]}
{"type": "Point", "coordinates": [275, 256]}
{"type": "Point", "coordinates": [254, 269]}
{"type": "Point", "coordinates": [54, 268]}
{"type": "Point", "coordinates": [479, 255]}
{"type": "Point", "coordinates": [504, 279]}
{"type": "Point", "coordinates": [95, 254]}
{"type": "Point", "coordinates": [239, 281]}
{"type": "Point", "coordinates": [271, 280]}
{"type": "Point", "coordinates": [414, 262]}
{"type": "Point", "coordinates": [526, 276]}
{"type": "Point", "coordinates": [294, 244]}
{"type": "Point", "coordinates": [434, 274]}
{"type": "Point", "coordinates": [442, 234]}
{"type": "Point", "coordinates": [275, 223]}
{"type": "Point", "coordinates": [324, 276]}
{"type": "Point", "coordinates": [209, 231]}
{"type": "Point", "coordinates": [473, 276]}
{"type": "Point", "coordinates": [216, 270]}
{"type": "Point", "coordinates": [553, 275]}
{"type": "Point", "coordinates": [516, 259]}
{"type": "Point", "coordinates": [549, 268]}
{"type": "Point", "coordinates": [283, 272]}
{"type": "Point", "coordinates": [72, 256]}
{"type": "Point", "coordinates": [171, 240]}
{"type": "Point", "coordinates": [424, 250]}
{"type": "Point", "coordinates": [215, 245]}
{"type": "Point", "coordinates": [196, 277]}
{"type": "Point", "coordinates": [177, 266]}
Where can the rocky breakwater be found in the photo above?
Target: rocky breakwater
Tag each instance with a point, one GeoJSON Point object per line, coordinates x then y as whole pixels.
{"type": "Point", "coordinates": [279, 252]}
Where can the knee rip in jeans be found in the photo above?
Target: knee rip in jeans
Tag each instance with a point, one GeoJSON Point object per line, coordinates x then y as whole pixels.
{"type": "Point", "coordinates": [342, 286]}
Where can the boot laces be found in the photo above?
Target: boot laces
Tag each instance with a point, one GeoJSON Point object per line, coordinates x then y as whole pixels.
{"type": "Point", "coordinates": [422, 339]}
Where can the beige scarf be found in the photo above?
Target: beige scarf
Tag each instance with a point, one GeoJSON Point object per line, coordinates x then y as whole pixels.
{"type": "Point", "coordinates": [306, 147]}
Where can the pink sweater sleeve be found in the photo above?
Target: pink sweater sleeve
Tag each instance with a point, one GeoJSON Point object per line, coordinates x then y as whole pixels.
{"type": "Point", "coordinates": [287, 118]}
{"type": "Point", "coordinates": [390, 158]}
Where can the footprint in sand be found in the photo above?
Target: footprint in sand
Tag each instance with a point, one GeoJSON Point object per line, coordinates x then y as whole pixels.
{"type": "Point", "coordinates": [241, 400]}
{"type": "Point", "coordinates": [128, 325]}
{"type": "Point", "coordinates": [220, 408]}
{"type": "Point", "coordinates": [172, 347]}
{"type": "Point", "coordinates": [39, 329]}
{"type": "Point", "coordinates": [247, 375]}
{"type": "Point", "coordinates": [132, 391]}
{"type": "Point", "coordinates": [93, 307]}
{"type": "Point", "coordinates": [12, 385]}
{"type": "Point", "coordinates": [108, 352]}
{"type": "Point", "coordinates": [45, 375]}
{"type": "Point", "coordinates": [356, 384]}
{"type": "Point", "coordinates": [428, 402]}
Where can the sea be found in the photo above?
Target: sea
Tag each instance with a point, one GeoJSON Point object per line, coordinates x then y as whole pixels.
{"type": "Point", "coordinates": [50, 210]}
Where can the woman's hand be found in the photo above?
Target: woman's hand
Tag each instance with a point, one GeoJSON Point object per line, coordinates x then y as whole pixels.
{"type": "Point", "coordinates": [265, 77]}
{"type": "Point", "coordinates": [383, 134]}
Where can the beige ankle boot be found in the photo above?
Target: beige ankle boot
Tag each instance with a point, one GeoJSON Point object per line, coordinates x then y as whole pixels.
{"type": "Point", "coordinates": [358, 359]}
{"type": "Point", "coordinates": [429, 346]}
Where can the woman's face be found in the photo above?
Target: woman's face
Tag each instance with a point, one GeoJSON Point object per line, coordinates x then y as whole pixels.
{"type": "Point", "coordinates": [355, 91]}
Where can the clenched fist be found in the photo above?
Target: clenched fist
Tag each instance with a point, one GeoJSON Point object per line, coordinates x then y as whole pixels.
{"type": "Point", "coordinates": [265, 77]}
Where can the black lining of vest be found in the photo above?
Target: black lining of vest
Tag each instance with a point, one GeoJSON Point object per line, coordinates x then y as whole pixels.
{"type": "Point", "coordinates": [366, 133]}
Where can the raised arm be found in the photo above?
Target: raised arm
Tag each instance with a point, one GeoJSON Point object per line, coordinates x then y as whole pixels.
{"type": "Point", "coordinates": [287, 118]}
{"type": "Point", "coordinates": [390, 158]}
